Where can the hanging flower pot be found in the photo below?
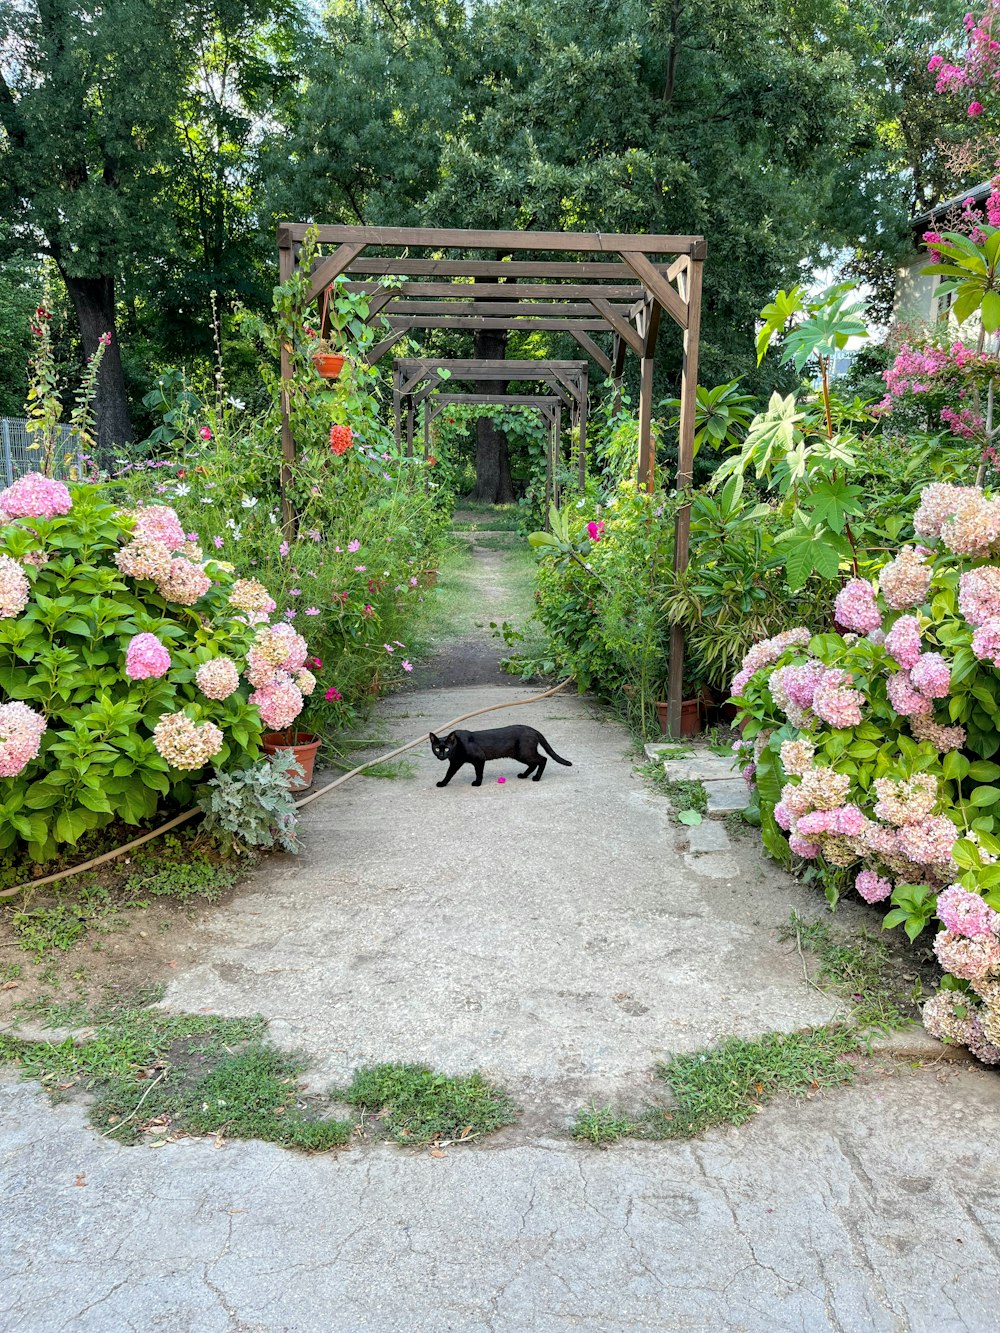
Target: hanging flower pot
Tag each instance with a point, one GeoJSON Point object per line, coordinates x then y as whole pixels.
{"type": "Point", "coordinates": [328, 364]}
{"type": "Point", "coordinates": [303, 746]}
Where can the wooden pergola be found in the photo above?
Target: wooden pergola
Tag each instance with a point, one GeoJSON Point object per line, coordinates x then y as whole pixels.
{"type": "Point", "coordinates": [415, 380]}
{"type": "Point", "coordinates": [549, 408]}
{"type": "Point", "coordinates": [587, 284]}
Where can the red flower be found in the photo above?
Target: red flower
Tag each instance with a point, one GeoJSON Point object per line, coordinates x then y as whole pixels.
{"type": "Point", "coordinates": [341, 439]}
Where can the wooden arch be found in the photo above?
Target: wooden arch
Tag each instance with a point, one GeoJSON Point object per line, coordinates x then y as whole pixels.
{"type": "Point", "coordinates": [415, 379]}
{"type": "Point", "coordinates": [549, 408]}
{"type": "Point", "coordinates": [583, 283]}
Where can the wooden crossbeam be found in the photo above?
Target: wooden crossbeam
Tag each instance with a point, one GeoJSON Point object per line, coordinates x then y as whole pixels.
{"type": "Point", "coordinates": [507, 291]}
{"type": "Point", "coordinates": [553, 269]}
{"type": "Point", "coordinates": [448, 238]}
{"type": "Point", "coordinates": [458, 323]}
{"type": "Point", "coordinates": [332, 266]}
{"type": "Point", "coordinates": [470, 368]}
{"type": "Point", "coordinates": [397, 305]}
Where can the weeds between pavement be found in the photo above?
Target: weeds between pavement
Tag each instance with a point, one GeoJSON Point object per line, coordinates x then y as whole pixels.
{"type": "Point", "coordinates": [155, 1076]}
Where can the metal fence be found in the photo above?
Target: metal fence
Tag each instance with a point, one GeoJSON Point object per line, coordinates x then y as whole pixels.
{"type": "Point", "coordinates": [17, 458]}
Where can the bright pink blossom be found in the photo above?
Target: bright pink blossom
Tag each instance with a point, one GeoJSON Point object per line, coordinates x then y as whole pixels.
{"type": "Point", "coordinates": [965, 913]}
{"type": "Point", "coordinates": [873, 888]}
{"type": "Point", "coordinates": [146, 658]}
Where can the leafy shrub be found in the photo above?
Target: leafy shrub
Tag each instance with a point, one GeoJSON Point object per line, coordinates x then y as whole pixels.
{"type": "Point", "coordinates": [252, 807]}
{"type": "Point", "coordinates": [121, 648]}
{"type": "Point", "coordinates": [874, 748]}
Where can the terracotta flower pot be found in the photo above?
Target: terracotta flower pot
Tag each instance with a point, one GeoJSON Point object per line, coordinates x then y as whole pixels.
{"type": "Point", "coordinates": [328, 364]}
{"type": "Point", "coordinates": [690, 716]}
{"type": "Point", "coordinates": [303, 746]}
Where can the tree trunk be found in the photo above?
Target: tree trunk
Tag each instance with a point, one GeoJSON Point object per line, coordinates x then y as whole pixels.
{"type": "Point", "coordinates": [493, 481]}
{"type": "Point", "coordinates": [94, 302]}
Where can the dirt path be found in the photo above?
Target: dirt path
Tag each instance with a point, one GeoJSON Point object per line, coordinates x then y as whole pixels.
{"type": "Point", "coordinates": [560, 937]}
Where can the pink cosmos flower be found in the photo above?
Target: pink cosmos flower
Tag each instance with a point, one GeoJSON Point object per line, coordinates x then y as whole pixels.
{"type": "Point", "coordinates": [283, 550]}
{"type": "Point", "coordinates": [360, 569]}
{"type": "Point", "coordinates": [312, 611]}
{"type": "Point", "coordinates": [218, 543]}
{"type": "Point", "coordinates": [388, 647]}
{"type": "Point", "coordinates": [353, 546]}
{"type": "Point", "coordinates": [407, 666]}
{"type": "Point", "coordinates": [146, 658]}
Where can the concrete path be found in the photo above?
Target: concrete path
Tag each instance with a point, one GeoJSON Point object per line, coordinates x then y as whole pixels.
{"type": "Point", "coordinates": [560, 937]}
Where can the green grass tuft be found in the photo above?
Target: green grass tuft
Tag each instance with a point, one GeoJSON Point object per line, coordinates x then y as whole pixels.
{"type": "Point", "coordinates": [600, 1125]}
{"type": "Point", "coordinates": [862, 970]}
{"type": "Point", "coordinates": [417, 1106]}
{"type": "Point", "coordinates": [727, 1084]}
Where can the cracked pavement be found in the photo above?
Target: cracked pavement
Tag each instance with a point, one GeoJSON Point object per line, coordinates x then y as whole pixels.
{"type": "Point", "coordinates": [870, 1210]}
{"type": "Point", "coordinates": [559, 937]}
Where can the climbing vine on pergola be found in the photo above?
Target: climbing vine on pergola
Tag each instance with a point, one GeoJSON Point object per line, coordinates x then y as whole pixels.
{"type": "Point", "coordinates": [559, 287]}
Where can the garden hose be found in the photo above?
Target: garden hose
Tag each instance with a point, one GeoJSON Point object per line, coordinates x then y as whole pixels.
{"type": "Point", "coordinates": [313, 796]}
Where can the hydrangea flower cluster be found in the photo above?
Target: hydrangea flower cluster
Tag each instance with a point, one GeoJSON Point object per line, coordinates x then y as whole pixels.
{"type": "Point", "coordinates": [186, 744]}
{"type": "Point", "coordinates": [184, 582]}
{"type": "Point", "coordinates": [21, 732]}
{"type": "Point", "coordinates": [14, 588]}
{"type": "Point", "coordinates": [903, 642]}
{"type": "Point", "coordinates": [855, 607]}
{"type": "Point", "coordinates": [767, 652]}
{"type": "Point", "coordinates": [146, 658]}
{"type": "Point", "coordinates": [250, 595]}
{"type": "Point", "coordinates": [159, 523]}
{"type": "Point", "coordinates": [276, 668]}
{"type": "Point", "coordinates": [218, 679]}
{"type": "Point", "coordinates": [961, 517]}
{"type": "Point", "coordinates": [35, 496]}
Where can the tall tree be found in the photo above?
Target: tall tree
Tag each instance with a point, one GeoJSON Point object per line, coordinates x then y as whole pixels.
{"type": "Point", "coordinates": [104, 111]}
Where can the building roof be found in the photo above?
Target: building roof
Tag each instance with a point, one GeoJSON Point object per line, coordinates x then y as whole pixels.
{"type": "Point", "coordinates": [977, 193]}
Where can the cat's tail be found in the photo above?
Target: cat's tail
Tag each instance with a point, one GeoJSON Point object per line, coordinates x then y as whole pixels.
{"type": "Point", "coordinates": [551, 753]}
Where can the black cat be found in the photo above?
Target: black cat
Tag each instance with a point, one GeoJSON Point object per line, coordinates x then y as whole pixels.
{"type": "Point", "coordinates": [475, 747]}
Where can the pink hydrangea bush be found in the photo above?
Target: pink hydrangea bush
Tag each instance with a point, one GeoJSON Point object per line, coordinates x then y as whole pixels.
{"type": "Point", "coordinates": [880, 762]}
{"type": "Point", "coordinates": [125, 697]}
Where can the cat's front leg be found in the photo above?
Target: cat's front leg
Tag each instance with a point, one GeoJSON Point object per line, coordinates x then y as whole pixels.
{"type": "Point", "coordinates": [452, 770]}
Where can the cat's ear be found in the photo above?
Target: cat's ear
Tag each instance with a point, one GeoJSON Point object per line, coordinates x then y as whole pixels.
{"type": "Point", "coordinates": [451, 740]}
{"type": "Point", "coordinates": [432, 738]}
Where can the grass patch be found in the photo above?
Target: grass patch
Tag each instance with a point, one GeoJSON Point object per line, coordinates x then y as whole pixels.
{"type": "Point", "coordinates": [155, 1075]}
{"type": "Point", "coordinates": [180, 868]}
{"type": "Point", "coordinates": [862, 970]}
{"type": "Point", "coordinates": [414, 1105]}
{"type": "Point", "coordinates": [600, 1125]}
{"type": "Point", "coordinates": [683, 794]}
{"type": "Point", "coordinates": [728, 1084]}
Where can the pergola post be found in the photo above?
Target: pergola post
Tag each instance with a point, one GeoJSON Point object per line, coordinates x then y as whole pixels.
{"type": "Point", "coordinates": [584, 391]}
{"type": "Point", "coordinates": [691, 290]}
{"type": "Point", "coordinates": [286, 267]}
{"type": "Point", "coordinates": [409, 428]}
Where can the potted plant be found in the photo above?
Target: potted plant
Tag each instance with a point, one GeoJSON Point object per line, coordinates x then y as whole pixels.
{"type": "Point", "coordinates": [343, 324]}
{"type": "Point", "coordinates": [302, 745]}
{"type": "Point", "coordinates": [692, 712]}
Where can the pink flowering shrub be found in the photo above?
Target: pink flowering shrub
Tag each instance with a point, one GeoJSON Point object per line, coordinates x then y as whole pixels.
{"type": "Point", "coordinates": [121, 652]}
{"type": "Point", "coordinates": [876, 749]}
